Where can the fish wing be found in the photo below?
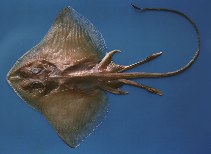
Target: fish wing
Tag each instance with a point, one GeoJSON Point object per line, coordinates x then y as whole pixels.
{"type": "Point", "coordinates": [72, 38]}
{"type": "Point", "coordinates": [74, 114]}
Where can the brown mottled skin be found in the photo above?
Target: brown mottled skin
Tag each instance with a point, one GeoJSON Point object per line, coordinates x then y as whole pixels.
{"type": "Point", "coordinates": [64, 78]}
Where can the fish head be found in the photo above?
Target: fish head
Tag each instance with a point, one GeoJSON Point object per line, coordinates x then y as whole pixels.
{"type": "Point", "coordinates": [31, 79]}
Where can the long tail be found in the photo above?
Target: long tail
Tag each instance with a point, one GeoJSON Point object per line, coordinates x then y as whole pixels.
{"type": "Point", "coordinates": [121, 73]}
{"type": "Point", "coordinates": [157, 75]}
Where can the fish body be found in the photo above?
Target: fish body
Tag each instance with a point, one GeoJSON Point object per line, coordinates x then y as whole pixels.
{"type": "Point", "coordinates": [65, 77]}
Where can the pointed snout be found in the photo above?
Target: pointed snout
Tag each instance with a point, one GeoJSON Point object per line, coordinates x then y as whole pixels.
{"type": "Point", "coordinates": [13, 78]}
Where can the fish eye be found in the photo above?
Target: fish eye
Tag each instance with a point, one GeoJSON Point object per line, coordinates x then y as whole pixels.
{"type": "Point", "coordinates": [36, 85]}
{"type": "Point", "coordinates": [36, 70]}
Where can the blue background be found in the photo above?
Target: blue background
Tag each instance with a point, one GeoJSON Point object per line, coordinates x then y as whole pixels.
{"type": "Point", "coordinates": [177, 123]}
